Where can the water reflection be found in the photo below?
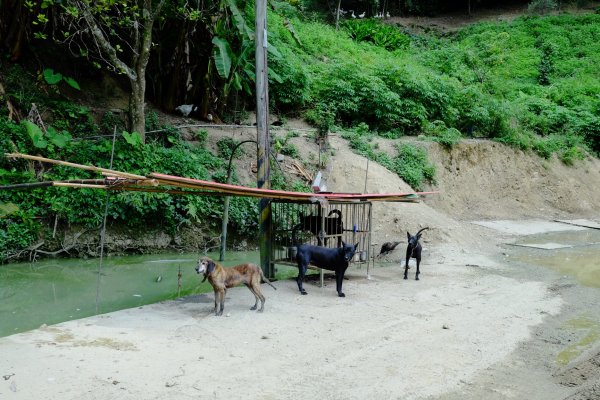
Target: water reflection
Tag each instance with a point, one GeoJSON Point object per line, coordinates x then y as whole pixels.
{"type": "Point", "coordinates": [52, 291]}
{"type": "Point", "coordinates": [580, 260]}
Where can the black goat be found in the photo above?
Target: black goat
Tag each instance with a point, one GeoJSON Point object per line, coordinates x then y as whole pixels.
{"type": "Point", "coordinates": [413, 250]}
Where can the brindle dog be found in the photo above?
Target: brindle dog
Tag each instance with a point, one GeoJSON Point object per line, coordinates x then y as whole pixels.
{"type": "Point", "coordinates": [222, 279]}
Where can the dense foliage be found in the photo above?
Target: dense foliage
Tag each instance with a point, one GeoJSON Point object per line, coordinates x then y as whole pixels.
{"type": "Point", "coordinates": [74, 136]}
{"type": "Point", "coordinates": [532, 83]}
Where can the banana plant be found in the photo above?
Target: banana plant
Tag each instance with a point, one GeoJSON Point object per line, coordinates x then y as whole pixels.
{"type": "Point", "coordinates": [237, 70]}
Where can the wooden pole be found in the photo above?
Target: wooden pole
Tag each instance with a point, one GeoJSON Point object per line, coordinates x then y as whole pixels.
{"type": "Point", "coordinates": [263, 177]}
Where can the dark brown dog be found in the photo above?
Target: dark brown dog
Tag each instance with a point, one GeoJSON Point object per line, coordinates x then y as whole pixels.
{"type": "Point", "coordinates": [222, 279]}
{"type": "Point", "coordinates": [312, 223]}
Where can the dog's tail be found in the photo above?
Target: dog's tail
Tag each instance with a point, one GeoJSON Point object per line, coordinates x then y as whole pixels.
{"type": "Point", "coordinates": [264, 278]}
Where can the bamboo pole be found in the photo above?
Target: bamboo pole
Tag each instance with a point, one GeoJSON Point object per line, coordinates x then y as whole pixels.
{"type": "Point", "coordinates": [79, 185]}
{"type": "Point", "coordinates": [74, 165]}
{"type": "Point", "coordinates": [116, 180]}
{"type": "Point", "coordinates": [35, 185]}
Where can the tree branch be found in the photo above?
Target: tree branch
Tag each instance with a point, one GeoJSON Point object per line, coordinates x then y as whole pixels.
{"type": "Point", "coordinates": [104, 44]}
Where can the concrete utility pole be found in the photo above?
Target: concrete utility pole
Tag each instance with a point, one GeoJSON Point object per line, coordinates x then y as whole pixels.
{"type": "Point", "coordinates": [263, 177]}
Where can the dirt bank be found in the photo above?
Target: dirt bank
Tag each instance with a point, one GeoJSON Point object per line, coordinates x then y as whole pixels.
{"type": "Point", "coordinates": [479, 324]}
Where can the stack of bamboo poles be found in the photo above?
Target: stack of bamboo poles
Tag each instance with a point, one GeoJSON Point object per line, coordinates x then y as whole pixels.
{"type": "Point", "coordinates": [156, 182]}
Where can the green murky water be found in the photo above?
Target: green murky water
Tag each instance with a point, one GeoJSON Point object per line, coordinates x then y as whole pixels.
{"type": "Point", "coordinates": [589, 331]}
{"type": "Point", "coordinates": [52, 291]}
{"type": "Point", "coordinates": [582, 262]}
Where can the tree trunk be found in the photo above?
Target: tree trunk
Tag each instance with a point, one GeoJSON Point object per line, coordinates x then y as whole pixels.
{"type": "Point", "coordinates": [137, 118]}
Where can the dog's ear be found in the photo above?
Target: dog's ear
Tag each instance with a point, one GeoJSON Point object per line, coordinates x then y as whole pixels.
{"type": "Point", "coordinates": [343, 244]}
{"type": "Point", "coordinates": [408, 235]}
{"type": "Point", "coordinates": [356, 245]}
{"type": "Point", "coordinates": [211, 266]}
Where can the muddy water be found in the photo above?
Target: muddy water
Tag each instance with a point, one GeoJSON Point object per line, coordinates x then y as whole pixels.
{"type": "Point", "coordinates": [581, 260]}
{"type": "Point", "coordinates": [52, 291]}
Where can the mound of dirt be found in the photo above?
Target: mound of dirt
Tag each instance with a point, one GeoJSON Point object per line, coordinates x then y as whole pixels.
{"type": "Point", "coordinates": [480, 179]}
{"type": "Point", "coordinates": [475, 180]}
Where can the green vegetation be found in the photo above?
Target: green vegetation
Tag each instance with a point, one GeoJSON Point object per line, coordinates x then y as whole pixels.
{"type": "Point", "coordinates": [410, 162]}
{"type": "Point", "coordinates": [38, 208]}
{"type": "Point", "coordinates": [72, 134]}
{"type": "Point", "coordinates": [531, 83]}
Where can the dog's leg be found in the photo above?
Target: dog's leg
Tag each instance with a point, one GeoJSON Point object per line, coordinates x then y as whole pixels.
{"type": "Point", "coordinates": [408, 251]}
{"type": "Point", "coordinates": [262, 299]}
{"type": "Point", "coordinates": [216, 301]}
{"type": "Point", "coordinates": [339, 279]}
{"type": "Point", "coordinates": [253, 290]}
{"type": "Point", "coordinates": [300, 278]}
{"type": "Point", "coordinates": [417, 253]}
{"type": "Point", "coordinates": [221, 302]}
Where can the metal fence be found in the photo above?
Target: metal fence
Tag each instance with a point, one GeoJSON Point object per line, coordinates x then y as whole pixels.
{"type": "Point", "coordinates": [296, 223]}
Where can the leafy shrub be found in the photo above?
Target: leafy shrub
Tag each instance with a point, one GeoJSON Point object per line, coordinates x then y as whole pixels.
{"type": "Point", "coordinates": [289, 149]}
{"type": "Point", "coordinates": [373, 31]}
{"type": "Point", "coordinates": [17, 231]}
{"type": "Point", "coordinates": [81, 207]}
{"type": "Point", "coordinates": [75, 119]}
{"type": "Point", "coordinates": [410, 163]}
{"type": "Point", "coordinates": [201, 135]}
{"type": "Point", "coordinates": [225, 147]}
{"type": "Point", "coordinates": [440, 133]}
{"type": "Point", "coordinates": [518, 138]}
{"type": "Point", "coordinates": [546, 67]}
{"type": "Point", "coordinates": [110, 121]}
{"type": "Point", "coordinates": [588, 127]}
{"type": "Point", "coordinates": [542, 6]}
{"type": "Point", "coordinates": [292, 90]}
{"type": "Point", "coordinates": [152, 121]}
{"type": "Point", "coordinates": [167, 136]}
{"type": "Point", "coordinates": [412, 166]}
{"type": "Point", "coordinates": [323, 116]}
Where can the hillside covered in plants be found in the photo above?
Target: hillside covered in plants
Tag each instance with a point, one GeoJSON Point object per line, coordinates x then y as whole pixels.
{"type": "Point", "coordinates": [531, 82]}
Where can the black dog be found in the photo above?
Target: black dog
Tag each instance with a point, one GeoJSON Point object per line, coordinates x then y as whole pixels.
{"type": "Point", "coordinates": [413, 250]}
{"type": "Point", "coordinates": [332, 226]}
{"type": "Point", "coordinates": [326, 258]}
